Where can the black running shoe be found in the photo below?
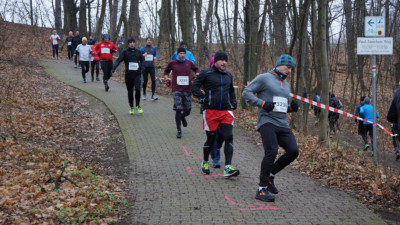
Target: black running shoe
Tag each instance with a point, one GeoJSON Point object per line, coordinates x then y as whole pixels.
{"type": "Point", "coordinates": [179, 134]}
{"type": "Point", "coordinates": [271, 186]}
{"type": "Point", "coordinates": [184, 122]}
{"type": "Point", "coordinates": [264, 196]}
{"type": "Point", "coordinates": [107, 87]}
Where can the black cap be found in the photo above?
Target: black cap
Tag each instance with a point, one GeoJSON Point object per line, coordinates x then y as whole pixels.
{"type": "Point", "coordinates": [183, 43]}
{"type": "Point", "coordinates": [220, 55]}
{"type": "Point", "coordinates": [131, 40]}
{"type": "Point", "coordinates": [181, 49]}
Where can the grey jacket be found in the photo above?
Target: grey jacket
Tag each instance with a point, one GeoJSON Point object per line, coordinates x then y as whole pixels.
{"type": "Point", "coordinates": [269, 87]}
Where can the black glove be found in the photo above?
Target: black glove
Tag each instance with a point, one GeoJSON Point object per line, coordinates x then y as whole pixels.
{"type": "Point", "coordinates": [234, 106]}
{"type": "Point", "coordinates": [294, 107]}
{"type": "Point", "coordinates": [268, 106]}
{"type": "Point", "coordinates": [202, 100]}
{"type": "Point", "coordinates": [112, 50]}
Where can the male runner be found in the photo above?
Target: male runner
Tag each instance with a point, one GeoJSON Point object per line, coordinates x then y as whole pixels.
{"type": "Point", "coordinates": [181, 81]}
{"type": "Point", "coordinates": [84, 51]}
{"type": "Point", "coordinates": [105, 49]}
{"type": "Point", "coordinates": [70, 50]}
{"type": "Point", "coordinates": [273, 101]}
{"type": "Point", "coordinates": [189, 55]}
{"type": "Point", "coordinates": [133, 59]}
{"type": "Point", "coordinates": [219, 99]}
{"type": "Point", "coordinates": [150, 55]}
{"type": "Point", "coordinates": [55, 39]}
{"type": "Point", "coordinates": [76, 40]}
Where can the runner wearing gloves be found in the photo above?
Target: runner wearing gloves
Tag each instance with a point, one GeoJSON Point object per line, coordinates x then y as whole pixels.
{"type": "Point", "coordinates": [84, 51]}
{"type": "Point", "coordinates": [105, 49]}
{"type": "Point", "coordinates": [70, 50]}
{"type": "Point", "coordinates": [133, 59]}
{"type": "Point", "coordinates": [218, 99]}
{"type": "Point", "coordinates": [189, 55]}
{"type": "Point", "coordinates": [150, 55]}
{"type": "Point", "coordinates": [181, 81]}
{"type": "Point", "coordinates": [95, 62]}
{"type": "Point", "coordinates": [55, 40]}
{"type": "Point", "coordinates": [76, 40]}
{"type": "Point", "coordinates": [273, 101]}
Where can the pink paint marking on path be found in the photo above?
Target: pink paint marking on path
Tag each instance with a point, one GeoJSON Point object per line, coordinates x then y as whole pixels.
{"type": "Point", "coordinates": [256, 206]}
{"type": "Point", "coordinates": [189, 171]}
{"type": "Point", "coordinates": [192, 155]}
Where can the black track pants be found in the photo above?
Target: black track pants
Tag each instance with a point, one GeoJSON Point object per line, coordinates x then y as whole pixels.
{"type": "Point", "coordinates": [85, 68]}
{"type": "Point", "coordinates": [132, 81]}
{"type": "Point", "coordinates": [146, 71]}
{"type": "Point", "coordinates": [106, 66]}
{"type": "Point", "coordinates": [95, 65]}
{"type": "Point", "coordinates": [226, 135]}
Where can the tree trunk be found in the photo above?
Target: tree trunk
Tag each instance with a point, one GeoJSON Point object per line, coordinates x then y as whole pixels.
{"type": "Point", "coordinates": [99, 25]}
{"type": "Point", "coordinates": [57, 17]}
{"type": "Point", "coordinates": [70, 10]}
{"type": "Point", "coordinates": [113, 21]}
{"type": "Point", "coordinates": [235, 22]}
{"type": "Point", "coordinates": [89, 2]}
{"type": "Point", "coordinates": [134, 19]}
{"type": "Point", "coordinates": [185, 16]}
{"type": "Point", "coordinates": [82, 19]}
{"type": "Point", "coordinates": [279, 22]}
{"type": "Point", "coordinates": [323, 56]}
{"type": "Point", "coordinates": [350, 42]}
{"type": "Point", "coordinates": [221, 35]}
{"type": "Point", "coordinates": [123, 20]}
{"type": "Point", "coordinates": [202, 32]}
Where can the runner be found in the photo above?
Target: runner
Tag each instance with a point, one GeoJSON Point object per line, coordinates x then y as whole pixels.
{"type": "Point", "coordinates": [393, 116]}
{"type": "Point", "coordinates": [395, 139]}
{"type": "Point", "coordinates": [181, 81]}
{"type": "Point", "coordinates": [133, 59]}
{"type": "Point", "coordinates": [76, 40]}
{"type": "Point", "coordinates": [219, 99]}
{"type": "Point", "coordinates": [84, 51]}
{"type": "Point", "coordinates": [55, 39]}
{"type": "Point", "coordinates": [333, 116]}
{"type": "Point", "coordinates": [360, 123]}
{"type": "Point", "coordinates": [273, 101]}
{"type": "Point", "coordinates": [95, 62]}
{"type": "Point", "coordinates": [150, 55]}
{"type": "Point", "coordinates": [91, 41]}
{"type": "Point", "coordinates": [366, 112]}
{"type": "Point", "coordinates": [105, 49]}
{"type": "Point", "coordinates": [189, 55]}
{"type": "Point", "coordinates": [120, 43]}
{"type": "Point", "coordinates": [317, 110]}
{"type": "Point", "coordinates": [70, 50]}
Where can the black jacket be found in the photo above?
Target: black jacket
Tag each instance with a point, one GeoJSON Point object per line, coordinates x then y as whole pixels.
{"type": "Point", "coordinates": [393, 114]}
{"type": "Point", "coordinates": [76, 40]}
{"type": "Point", "coordinates": [129, 55]}
{"type": "Point", "coordinates": [218, 88]}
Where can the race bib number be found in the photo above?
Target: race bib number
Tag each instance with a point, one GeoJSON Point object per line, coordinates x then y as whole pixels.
{"type": "Point", "coordinates": [148, 58]}
{"type": "Point", "coordinates": [182, 80]}
{"type": "Point", "coordinates": [105, 51]}
{"type": "Point", "coordinates": [55, 42]}
{"type": "Point", "coordinates": [281, 104]}
{"type": "Point", "coordinates": [69, 43]}
{"type": "Point", "coordinates": [133, 66]}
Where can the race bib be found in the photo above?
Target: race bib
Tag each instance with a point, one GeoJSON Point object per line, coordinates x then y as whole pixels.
{"type": "Point", "coordinates": [55, 42]}
{"type": "Point", "coordinates": [133, 66]}
{"type": "Point", "coordinates": [69, 43]}
{"type": "Point", "coordinates": [105, 51]}
{"type": "Point", "coordinates": [148, 58]}
{"type": "Point", "coordinates": [182, 80]}
{"type": "Point", "coordinates": [281, 104]}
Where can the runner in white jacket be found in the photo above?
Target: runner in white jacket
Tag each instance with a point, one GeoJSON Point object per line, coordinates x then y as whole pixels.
{"type": "Point", "coordinates": [55, 40]}
{"type": "Point", "coordinates": [84, 51]}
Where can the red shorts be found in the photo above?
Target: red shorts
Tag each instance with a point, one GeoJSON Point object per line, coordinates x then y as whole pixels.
{"type": "Point", "coordinates": [212, 118]}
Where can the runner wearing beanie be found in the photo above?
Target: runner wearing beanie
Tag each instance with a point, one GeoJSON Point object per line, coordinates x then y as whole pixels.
{"type": "Point", "coordinates": [189, 55]}
{"type": "Point", "coordinates": [270, 92]}
{"type": "Point", "coordinates": [95, 61]}
{"type": "Point", "coordinates": [150, 55]}
{"type": "Point", "coordinates": [366, 112]}
{"type": "Point", "coordinates": [84, 51]}
{"type": "Point", "coordinates": [181, 81]}
{"type": "Point", "coordinates": [219, 99]}
{"type": "Point", "coordinates": [105, 49]}
{"type": "Point", "coordinates": [68, 40]}
{"type": "Point", "coordinates": [133, 59]}
{"type": "Point", "coordinates": [76, 40]}
{"type": "Point", "coordinates": [55, 39]}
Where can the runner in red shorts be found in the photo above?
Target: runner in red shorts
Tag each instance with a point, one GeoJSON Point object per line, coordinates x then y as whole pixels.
{"type": "Point", "coordinates": [218, 97]}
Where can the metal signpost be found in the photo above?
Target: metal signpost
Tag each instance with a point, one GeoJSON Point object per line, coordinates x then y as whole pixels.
{"type": "Point", "coordinates": [374, 44]}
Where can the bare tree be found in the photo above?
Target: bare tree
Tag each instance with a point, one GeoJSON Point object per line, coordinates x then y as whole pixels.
{"type": "Point", "coordinates": [70, 11]}
{"type": "Point", "coordinates": [221, 35]}
{"type": "Point", "coordinates": [202, 31]}
{"type": "Point", "coordinates": [134, 19]}
{"type": "Point", "coordinates": [101, 19]}
{"type": "Point", "coordinates": [57, 17]}
{"type": "Point", "coordinates": [82, 18]}
{"type": "Point", "coordinates": [113, 21]}
{"type": "Point", "coordinates": [185, 16]}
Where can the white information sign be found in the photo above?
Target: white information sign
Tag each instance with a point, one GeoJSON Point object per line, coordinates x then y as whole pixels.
{"type": "Point", "coordinates": [374, 26]}
{"type": "Point", "coordinates": [375, 46]}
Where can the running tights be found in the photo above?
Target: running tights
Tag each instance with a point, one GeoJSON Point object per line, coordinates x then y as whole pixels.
{"type": "Point", "coordinates": [95, 64]}
{"type": "Point", "coordinates": [227, 136]}
{"type": "Point", "coordinates": [146, 71]}
{"type": "Point", "coordinates": [106, 66]}
{"type": "Point", "coordinates": [179, 116]}
{"type": "Point", "coordinates": [85, 68]}
{"type": "Point", "coordinates": [55, 50]}
{"type": "Point", "coordinates": [133, 81]}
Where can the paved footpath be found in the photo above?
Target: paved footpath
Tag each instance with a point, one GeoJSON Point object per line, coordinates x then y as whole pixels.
{"type": "Point", "coordinates": [166, 180]}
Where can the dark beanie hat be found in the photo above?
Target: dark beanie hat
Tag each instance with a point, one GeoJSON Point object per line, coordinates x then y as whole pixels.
{"type": "Point", "coordinates": [181, 49]}
{"type": "Point", "coordinates": [220, 55]}
{"type": "Point", "coordinates": [285, 60]}
{"type": "Point", "coordinates": [131, 40]}
{"type": "Point", "coordinates": [367, 100]}
{"type": "Point", "coordinates": [183, 43]}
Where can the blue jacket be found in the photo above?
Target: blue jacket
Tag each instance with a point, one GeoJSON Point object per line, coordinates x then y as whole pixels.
{"type": "Point", "coordinates": [357, 112]}
{"type": "Point", "coordinates": [189, 56]}
{"type": "Point", "coordinates": [366, 112]}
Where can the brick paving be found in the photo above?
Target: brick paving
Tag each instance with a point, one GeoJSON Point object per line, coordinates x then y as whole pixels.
{"type": "Point", "coordinates": [167, 187]}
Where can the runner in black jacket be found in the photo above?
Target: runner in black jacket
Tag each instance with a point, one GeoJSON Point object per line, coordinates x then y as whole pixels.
{"type": "Point", "coordinates": [218, 99]}
{"type": "Point", "coordinates": [76, 40]}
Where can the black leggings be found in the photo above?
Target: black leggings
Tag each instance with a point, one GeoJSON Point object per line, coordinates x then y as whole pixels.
{"type": "Point", "coordinates": [55, 50]}
{"type": "Point", "coordinates": [93, 65]}
{"type": "Point", "coordinates": [85, 68]}
{"type": "Point", "coordinates": [179, 116]}
{"type": "Point", "coordinates": [368, 131]}
{"type": "Point", "coordinates": [227, 136]}
{"type": "Point", "coordinates": [70, 52]}
{"type": "Point", "coordinates": [152, 71]}
{"type": "Point", "coordinates": [133, 81]}
{"type": "Point", "coordinates": [272, 136]}
{"type": "Point", "coordinates": [106, 66]}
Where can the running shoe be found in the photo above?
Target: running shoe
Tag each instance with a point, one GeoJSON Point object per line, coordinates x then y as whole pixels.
{"type": "Point", "coordinates": [84, 80]}
{"type": "Point", "coordinates": [216, 164]}
{"type": "Point", "coordinates": [131, 110]}
{"type": "Point", "coordinates": [97, 78]}
{"type": "Point", "coordinates": [271, 186]}
{"type": "Point", "coordinates": [205, 168]}
{"type": "Point", "coordinates": [139, 109]}
{"type": "Point", "coordinates": [107, 87]}
{"type": "Point", "coordinates": [92, 79]}
{"type": "Point", "coordinates": [75, 66]}
{"type": "Point", "coordinates": [144, 97]}
{"type": "Point", "coordinates": [366, 146]}
{"type": "Point", "coordinates": [230, 171]}
{"type": "Point", "coordinates": [154, 98]}
{"type": "Point", "coordinates": [179, 134]}
{"type": "Point", "coordinates": [264, 196]}
{"type": "Point", "coordinates": [184, 122]}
